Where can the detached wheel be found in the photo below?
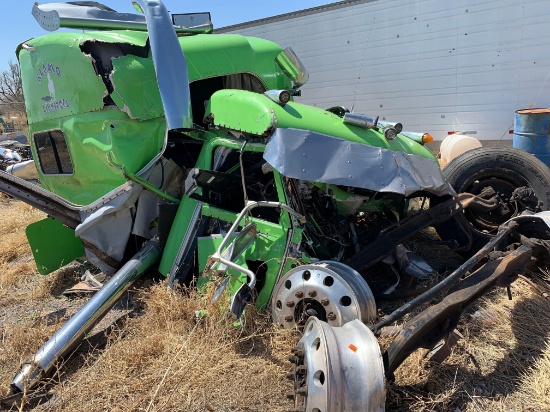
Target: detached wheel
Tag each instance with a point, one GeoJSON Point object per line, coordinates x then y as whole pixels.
{"type": "Point", "coordinates": [336, 369]}
{"type": "Point", "coordinates": [502, 169]}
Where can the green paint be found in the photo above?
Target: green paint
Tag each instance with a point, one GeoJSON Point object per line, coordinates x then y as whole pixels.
{"type": "Point", "coordinates": [259, 114]}
{"type": "Point", "coordinates": [91, 139]}
{"type": "Point", "coordinates": [135, 87]}
{"type": "Point", "coordinates": [115, 125]}
{"type": "Point", "coordinates": [245, 112]}
{"type": "Point", "coordinates": [53, 245]}
{"type": "Point", "coordinates": [63, 91]}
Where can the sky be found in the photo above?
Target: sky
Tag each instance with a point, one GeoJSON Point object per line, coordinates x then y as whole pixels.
{"type": "Point", "coordinates": [18, 24]}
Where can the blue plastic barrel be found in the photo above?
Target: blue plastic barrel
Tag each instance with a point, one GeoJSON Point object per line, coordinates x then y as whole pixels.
{"type": "Point", "coordinates": [532, 132]}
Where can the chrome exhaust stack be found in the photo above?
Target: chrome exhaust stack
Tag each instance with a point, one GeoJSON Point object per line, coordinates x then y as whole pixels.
{"type": "Point", "coordinates": [77, 327]}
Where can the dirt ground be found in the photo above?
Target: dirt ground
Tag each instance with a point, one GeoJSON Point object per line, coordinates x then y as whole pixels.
{"type": "Point", "coordinates": [167, 358]}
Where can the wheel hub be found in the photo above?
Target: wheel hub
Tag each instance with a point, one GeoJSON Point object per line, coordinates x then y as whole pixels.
{"type": "Point", "coordinates": [331, 291]}
{"type": "Point", "coordinates": [489, 221]}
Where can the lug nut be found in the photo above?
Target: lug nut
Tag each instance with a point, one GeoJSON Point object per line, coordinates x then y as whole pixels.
{"type": "Point", "coordinates": [299, 294]}
{"type": "Point", "coordinates": [302, 391]}
{"type": "Point", "coordinates": [312, 293]}
{"type": "Point", "coordinates": [290, 304]}
{"type": "Point", "coordinates": [331, 316]}
{"type": "Point", "coordinates": [324, 302]}
{"type": "Point", "coordinates": [289, 318]}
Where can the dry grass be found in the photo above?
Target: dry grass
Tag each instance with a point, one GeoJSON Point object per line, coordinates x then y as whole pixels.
{"type": "Point", "coordinates": [500, 365]}
{"type": "Point", "coordinates": [170, 359]}
{"type": "Point", "coordinates": [16, 264]}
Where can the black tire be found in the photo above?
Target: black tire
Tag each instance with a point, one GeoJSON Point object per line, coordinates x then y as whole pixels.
{"type": "Point", "coordinates": [504, 169]}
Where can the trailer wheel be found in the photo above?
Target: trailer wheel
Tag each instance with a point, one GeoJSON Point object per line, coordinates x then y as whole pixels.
{"type": "Point", "coordinates": [503, 169]}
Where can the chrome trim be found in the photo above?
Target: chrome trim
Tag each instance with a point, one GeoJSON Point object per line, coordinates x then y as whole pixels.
{"type": "Point", "coordinates": [218, 256]}
{"type": "Point", "coordinates": [53, 16]}
{"type": "Point", "coordinates": [359, 120]}
{"type": "Point", "coordinates": [170, 65]}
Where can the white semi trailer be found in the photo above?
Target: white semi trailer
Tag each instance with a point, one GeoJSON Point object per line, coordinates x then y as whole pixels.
{"type": "Point", "coordinates": [439, 66]}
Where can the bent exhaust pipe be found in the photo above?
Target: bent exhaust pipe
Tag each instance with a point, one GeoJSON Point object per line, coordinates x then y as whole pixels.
{"type": "Point", "coordinates": [77, 327]}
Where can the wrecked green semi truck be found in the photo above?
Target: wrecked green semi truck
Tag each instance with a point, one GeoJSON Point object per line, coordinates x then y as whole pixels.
{"type": "Point", "coordinates": [164, 148]}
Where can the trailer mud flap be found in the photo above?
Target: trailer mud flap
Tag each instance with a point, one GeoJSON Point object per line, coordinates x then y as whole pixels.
{"type": "Point", "coordinates": [53, 245]}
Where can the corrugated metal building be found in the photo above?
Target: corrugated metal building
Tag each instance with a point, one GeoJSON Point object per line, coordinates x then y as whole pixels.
{"type": "Point", "coordinates": [435, 66]}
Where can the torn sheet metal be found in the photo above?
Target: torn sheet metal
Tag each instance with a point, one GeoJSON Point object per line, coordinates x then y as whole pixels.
{"type": "Point", "coordinates": [52, 79]}
{"type": "Point", "coordinates": [106, 226]}
{"type": "Point", "coordinates": [135, 87]}
{"type": "Point", "coordinates": [307, 155]}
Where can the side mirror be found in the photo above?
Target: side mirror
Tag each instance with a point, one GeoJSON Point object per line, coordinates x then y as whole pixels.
{"type": "Point", "coordinates": [291, 65]}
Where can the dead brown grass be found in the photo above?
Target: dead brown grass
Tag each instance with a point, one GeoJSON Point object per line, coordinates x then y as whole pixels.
{"type": "Point", "coordinates": [500, 365]}
{"type": "Point", "coordinates": [15, 260]}
{"type": "Point", "coordinates": [170, 359]}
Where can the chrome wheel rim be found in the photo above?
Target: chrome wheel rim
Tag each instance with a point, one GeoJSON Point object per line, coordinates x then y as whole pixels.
{"type": "Point", "coordinates": [330, 291]}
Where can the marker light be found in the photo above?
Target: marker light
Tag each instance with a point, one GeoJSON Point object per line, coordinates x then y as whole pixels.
{"type": "Point", "coordinates": [427, 138]}
{"type": "Point", "coordinates": [398, 127]}
{"type": "Point", "coordinates": [421, 138]}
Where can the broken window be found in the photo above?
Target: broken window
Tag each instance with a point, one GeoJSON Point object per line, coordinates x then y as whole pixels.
{"type": "Point", "coordinates": [53, 153]}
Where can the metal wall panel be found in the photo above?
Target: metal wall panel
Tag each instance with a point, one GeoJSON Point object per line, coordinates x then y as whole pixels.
{"type": "Point", "coordinates": [432, 65]}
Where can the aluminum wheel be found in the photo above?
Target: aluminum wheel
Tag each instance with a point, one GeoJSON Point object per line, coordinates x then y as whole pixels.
{"type": "Point", "coordinates": [337, 369]}
{"type": "Point", "coordinates": [330, 291]}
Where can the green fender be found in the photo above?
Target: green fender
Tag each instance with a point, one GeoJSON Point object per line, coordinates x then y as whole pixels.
{"type": "Point", "coordinates": [257, 114]}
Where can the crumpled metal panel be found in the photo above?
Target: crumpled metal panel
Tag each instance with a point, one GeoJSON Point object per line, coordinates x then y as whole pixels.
{"type": "Point", "coordinates": [306, 155]}
{"type": "Point", "coordinates": [58, 79]}
{"type": "Point", "coordinates": [107, 223]}
{"type": "Point", "coordinates": [135, 87]}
